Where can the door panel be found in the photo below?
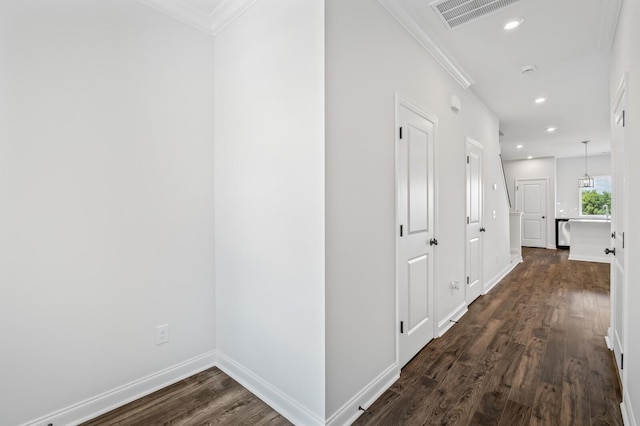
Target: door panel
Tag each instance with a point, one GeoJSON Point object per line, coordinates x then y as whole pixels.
{"type": "Point", "coordinates": [418, 158]}
{"type": "Point", "coordinates": [531, 200]}
{"type": "Point", "coordinates": [474, 221]}
{"type": "Point", "coordinates": [418, 292]}
{"type": "Point", "coordinates": [619, 215]}
{"type": "Point", "coordinates": [415, 207]}
{"type": "Point", "coordinates": [531, 230]}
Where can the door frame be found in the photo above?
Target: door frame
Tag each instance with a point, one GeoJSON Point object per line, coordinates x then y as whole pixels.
{"type": "Point", "coordinates": [471, 141]}
{"type": "Point", "coordinates": [401, 101]}
{"type": "Point", "coordinates": [547, 243]}
{"type": "Point", "coordinates": [621, 96]}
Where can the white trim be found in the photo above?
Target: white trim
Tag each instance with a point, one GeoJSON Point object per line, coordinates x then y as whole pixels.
{"type": "Point", "coordinates": [609, 14]}
{"type": "Point", "coordinates": [499, 276]}
{"type": "Point", "coordinates": [183, 12]}
{"type": "Point", "coordinates": [438, 52]}
{"type": "Point", "coordinates": [291, 409]}
{"type": "Point", "coordinates": [609, 338]}
{"type": "Point", "coordinates": [227, 12]}
{"type": "Point", "coordinates": [112, 399]}
{"type": "Point", "coordinates": [598, 259]}
{"type": "Point", "coordinates": [445, 324]}
{"type": "Point", "coordinates": [628, 418]}
{"type": "Point", "coordinates": [211, 23]}
{"type": "Point", "coordinates": [349, 412]}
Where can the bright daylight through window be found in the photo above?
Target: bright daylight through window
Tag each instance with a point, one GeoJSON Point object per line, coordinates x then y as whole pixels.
{"type": "Point", "coordinates": [596, 200]}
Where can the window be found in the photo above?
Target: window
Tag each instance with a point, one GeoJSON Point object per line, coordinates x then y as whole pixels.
{"type": "Point", "coordinates": [597, 200]}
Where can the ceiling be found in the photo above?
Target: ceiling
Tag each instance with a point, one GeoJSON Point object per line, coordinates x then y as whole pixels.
{"type": "Point", "coordinates": [568, 41]}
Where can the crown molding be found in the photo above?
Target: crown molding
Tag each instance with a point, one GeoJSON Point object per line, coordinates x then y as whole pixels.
{"type": "Point", "coordinates": [609, 12]}
{"type": "Point", "coordinates": [227, 12]}
{"type": "Point", "coordinates": [182, 12]}
{"type": "Point", "coordinates": [212, 23]}
{"type": "Point", "coordinates": [438, 52]}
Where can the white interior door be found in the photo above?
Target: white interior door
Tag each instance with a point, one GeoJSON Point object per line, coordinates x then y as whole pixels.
{"type": "Point", "coordinates": [415, 209]}
{"type": "Point", "coordinates": [474, 221]}
{"type": "Point", "coordinates": [618, 225]}
{"type": "Point", "coordinates": [531, 200]}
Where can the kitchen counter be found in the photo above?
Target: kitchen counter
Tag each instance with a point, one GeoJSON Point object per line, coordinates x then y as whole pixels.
{"type": "Point", "coordinates": [589, 238]}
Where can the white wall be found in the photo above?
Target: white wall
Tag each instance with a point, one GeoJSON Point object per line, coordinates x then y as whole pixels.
{"type": "Point", "coordinates": [531, 169]}
{"type": "Point", "coordinates": [269, 221]}
{"type": "Point", "coordinates": [367, 63]}
{"type": "Point", "coordinates": [106, 199]}
{"type": "Point", "coordinates": [568, 170]}
{"type": "Point", "coordinates": [626, 59]}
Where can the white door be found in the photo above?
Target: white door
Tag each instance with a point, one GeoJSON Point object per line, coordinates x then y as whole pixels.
{"type": "Point", "coordinates": [618, 222]}
{"type": "Point", "coordinates": [415, 209]}
{"type": "Point", "coordinates": [474, 221]}
{"type": "Point", "coordinates": [531, 200]}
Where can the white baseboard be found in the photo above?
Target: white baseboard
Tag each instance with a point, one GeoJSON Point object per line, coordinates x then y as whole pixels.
{"type": "Point", "coordinates": [107, 401]}
{"type": "Point", "coordinates": [608, 339]}
{"type": "Point", "coordinates": [628, 418]}
{"type": "Point", "coordinates": [295, 412]}
{"type": "Point", "coordinates": [455, 315]}
{"type": "Point", "coordinates": [599, 259]}
{"type": "Point", "coordinates": [489, 285]}
{"type": "Point", "coordinates": [349, 412]}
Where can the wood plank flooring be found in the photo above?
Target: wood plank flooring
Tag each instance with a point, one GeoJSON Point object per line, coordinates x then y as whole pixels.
{"type": "Point", "coordinates": [206, 399]}
{"type": "Point", "coordinates": [531, 352]}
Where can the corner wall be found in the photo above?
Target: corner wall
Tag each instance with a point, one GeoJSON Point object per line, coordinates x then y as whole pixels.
{"type": "Point", "coordinates": [106, 205]}
{"type": "Point", "coordinates": [370, 58]}
{"type": "Point", "coordinates": [269, 204]}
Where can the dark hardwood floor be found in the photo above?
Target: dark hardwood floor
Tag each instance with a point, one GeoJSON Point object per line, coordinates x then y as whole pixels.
{"type": "Point", "coordinates": [206, 399]}
{"type": "Point", "coordinates": [531, 352]}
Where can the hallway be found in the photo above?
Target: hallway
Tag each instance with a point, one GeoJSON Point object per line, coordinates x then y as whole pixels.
{"type": "Point", "coordinates": [531, 352]}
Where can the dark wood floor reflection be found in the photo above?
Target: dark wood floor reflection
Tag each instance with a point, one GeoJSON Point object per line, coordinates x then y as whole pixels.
{"type": "Point", "coordinates": [531, 352]}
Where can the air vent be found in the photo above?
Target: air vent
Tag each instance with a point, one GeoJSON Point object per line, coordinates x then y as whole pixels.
{"type": "Point", "coordinates": [454, 13]}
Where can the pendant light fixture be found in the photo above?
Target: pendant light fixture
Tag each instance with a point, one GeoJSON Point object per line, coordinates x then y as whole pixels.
{"type": "Point", "coordinates": [585, 181]}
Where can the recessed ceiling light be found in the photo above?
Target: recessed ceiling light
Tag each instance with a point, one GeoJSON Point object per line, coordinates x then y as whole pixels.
{"type": "Point", "coordinates": [519, 146]}
{"type": "Point", "coordinates": [540, 100]}
{"type": "Point", "coordinates": [513, 23]}
{"type": "Point", "coordinates": [529, 157]}
{"type": "Point", "coordinates": [551, 129]}
{"type": "Point", "coordinates": [529, 69]}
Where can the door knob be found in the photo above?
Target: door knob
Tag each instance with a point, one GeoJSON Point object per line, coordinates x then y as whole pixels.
{"type": "Point", "coordinates": [543, 217]}
{"type": "Point", "coordinates": [433, 242]}
{"type": "Point", "coordinates": [482, 229]}
{"type": "Point", "coordinates": [610, 251]}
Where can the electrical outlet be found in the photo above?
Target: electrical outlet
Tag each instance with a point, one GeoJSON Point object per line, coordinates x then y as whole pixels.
{"type": "Point", "coordinates": [494, 214]}
{"type": "Point", "coordinates": [162, 334]}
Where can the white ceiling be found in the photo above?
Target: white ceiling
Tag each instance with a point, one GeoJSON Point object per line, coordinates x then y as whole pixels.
{"type": "Point", "coordinates": [568, 41]}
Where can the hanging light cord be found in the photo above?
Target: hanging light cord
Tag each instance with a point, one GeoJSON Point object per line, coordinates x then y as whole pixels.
{"type": "Point", "coordinates": [585, 158]}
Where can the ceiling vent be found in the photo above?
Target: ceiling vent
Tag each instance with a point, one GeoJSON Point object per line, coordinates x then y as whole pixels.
{"type": "Point", "coordinates": [454, 13]}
